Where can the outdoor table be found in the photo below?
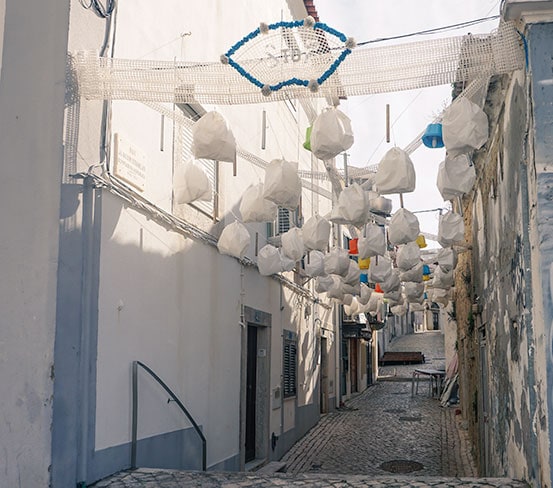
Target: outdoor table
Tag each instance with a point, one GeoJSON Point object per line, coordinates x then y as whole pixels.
{"type": "Point", "coordinates": [435, 376]}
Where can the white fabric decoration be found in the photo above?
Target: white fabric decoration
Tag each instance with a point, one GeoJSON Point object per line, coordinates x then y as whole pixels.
{"type": "Point", "coordinates": [364, 294]}
{"type": "Point", "coordinates": [191, 184]}
{"type": "Point", "coordinates": [380, 269]}
{"type": "Point", "coordinates": [396, 173]}
{"type": "Point", "coordinates": [379, 204]}
{"type": "Point", "coordinates": [352, 308]}
{"type": "Point", "coordinates": [442, 279]}
{"type": "Point", "coordinates": [409, 255]}
{"type": "Point", "coordinates": [348, 299]}
{"type": "Point", "coordinates": [352, 277]}
{"type": "Point", "coordinates": [404, 227]}
{"type": "Point", "coordinates": [337, 261]}
{"type": "Point", "coordinates": [255, 208]}
{"type": "Point", "coordinates": [447, 258]}
{"type": "Point", "coordinates": [456, 176]}
{"type": "Point", "coordinates": [323, 283]}
{"type": "Point", "coordinates": [335, 291]}
{"type": "Point", "coordinates": [393, 295]}
{"type": "Point", "coordinates": [282, 183]}
{"type": "Point", "coordinates": [268, 260]}
{"type": "Point", "coordinates": [234, 240]}
{"type": "Point", "coordinates": [374, 242]}
{"type": "Point", "coordinates": [315, 265]}
{"type": "Point", "coordinates": [440, 296]}
{"type": "Point", "coordinates": [464, 127]}
{"type": "Point", "coordinates": [399, 310]}
{"type": "Point", "coordinates": [331, 134]}
{"type": "Point", "coordinates": [412, 291]}
{"type": "Point", "coordinates": [316, 232]}
{"type": "Point", "coordinates": [392, 283]}
{"type": "Point", "coordinates": [414, 274]}
{"type": "Point", "coordinates": [451, 229]}
{"type": "Point", "coordinates": [352, 205]}
{"type": "Point", "coordinates": [374, 302]}
{"type": "Point", "coordinates": [351, 289]}
{"type": "Point", "coordinates": [292, 244]}
{"type": "Point", "coordinates": [212, 139]}
{"type": "Point", "coordinates": [286, 263]}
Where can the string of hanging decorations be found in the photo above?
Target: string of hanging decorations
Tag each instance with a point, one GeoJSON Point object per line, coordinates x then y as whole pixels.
{"type": "Point", "coordinates": [302, 52]}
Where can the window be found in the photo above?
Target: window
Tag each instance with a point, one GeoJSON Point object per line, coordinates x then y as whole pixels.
{"type": "Point", "coordinates": [286, 219]}
{"type": "Point", "coordinates": [289, 362]}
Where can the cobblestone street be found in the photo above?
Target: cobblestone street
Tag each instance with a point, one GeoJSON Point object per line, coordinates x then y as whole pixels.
{"type": "Point", "coordinates": [383, 437]}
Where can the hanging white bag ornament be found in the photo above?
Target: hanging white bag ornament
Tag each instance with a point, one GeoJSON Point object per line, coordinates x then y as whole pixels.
{"type": "Point", "coordinates": [282, 183]}
{"type": "Point", "coordinates": [396, 173]}
{"type": "Point", "coordinates": [315, 265]}
{"type": "Point", "coordinates": [440, 296]}
{"type": "Point", "coordinates": [399, 310]}
{"type": "Point", "coordinates": [212, 139]}
{"type": "Point", "coordinates": [409, 255]}
{"type": "Point", "coordinates": [352, 205]}
{"type": "Point", "coordinates": [353, 274]}
{"type": "Point", "coordinates": [374, 302]}
{"type": "Point", "coordinates": [337, 261]}
{"type": "Point", "coordinates": [331, 134]}
{"type": "Point", "coordinates": [442, 278]}
{"type": "Point", "coordinates": [394, 295]}
{"type": "Point", "coordinates": [286, 263]}
{"type": "Point", "coordinates": [335, 291]}
{"type": "Point", "coordinates": [364, 294]}
{"type": "Point", "coordinates": [292, 244]}
{"type": "Point", "coordinates": [268, 260]}
{"type": "Point", "coordinates": [351, 289]}
{"type": "Point", "coordinates": [352, 308]}
{"type": "Point", "coordinates": [412, 291]}
{"type": "Point", "coordinates": [380, 269]}
{"type": "Point", "coordinates": [451, 229]}
{"type": "Point", "coordinates": [234, 240]}
{"type": "Point", "coordinates": [191, 184]}
{"type": "Point", "coordinates": [404, 227]}
{"type": "Point", "coordinates": [255, 208]}
{"type": "Point", "coordinates": [456, 176]}
{"type": "Point", "coordinates": [316, 232]}
{"type": "Point", "coordinates": [323, 283]}
{"type": "Point", "coordinates": [374, 242]}
{"type": "Point", "coordinates": [414, 274]}
{"type": "Point", "coordinates": [347, 299]}
{"type": "Point", "coordinates": [447, 258]}
{"type": "Point", "coordinates": [464, 127]}
{"type": "Point", "coordinates": [379, 204]}
{"type": "Point", "coordinates": [392, 283]}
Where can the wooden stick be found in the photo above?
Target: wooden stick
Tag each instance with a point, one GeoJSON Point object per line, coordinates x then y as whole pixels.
{"type": "Point", "coordinates": [401, 200]}
{"type": "Point", "coordinates": [387, 122]}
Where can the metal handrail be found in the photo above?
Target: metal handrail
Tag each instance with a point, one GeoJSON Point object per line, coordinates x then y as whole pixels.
{"type": "Point", "coordinates": [135, 365]}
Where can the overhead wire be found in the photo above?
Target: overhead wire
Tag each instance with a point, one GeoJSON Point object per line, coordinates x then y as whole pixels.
{"type": "Point", "coordinates": [435, 30]}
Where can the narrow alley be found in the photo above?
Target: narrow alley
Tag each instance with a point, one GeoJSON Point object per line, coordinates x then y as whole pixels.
{"type": "Point", "coordinates": [391, 435]}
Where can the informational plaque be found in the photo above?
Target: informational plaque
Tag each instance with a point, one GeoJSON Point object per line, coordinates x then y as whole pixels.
{"type": "Point", "coordinates": [129, 162]}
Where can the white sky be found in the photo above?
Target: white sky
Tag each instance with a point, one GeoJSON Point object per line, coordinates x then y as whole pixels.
{"type": "Point", "coordinates": [410, 111]}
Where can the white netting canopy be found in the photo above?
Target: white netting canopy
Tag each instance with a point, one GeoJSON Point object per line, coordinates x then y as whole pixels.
{"type": "Point", "coordinates": [308, 55]}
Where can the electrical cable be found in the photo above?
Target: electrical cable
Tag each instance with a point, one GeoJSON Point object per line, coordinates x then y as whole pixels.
{"type": "Point", "coordinates": [436, 30]}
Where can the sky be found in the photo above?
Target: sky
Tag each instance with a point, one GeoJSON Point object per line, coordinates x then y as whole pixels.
{"type": "Point", "coordinates": [410, 111]}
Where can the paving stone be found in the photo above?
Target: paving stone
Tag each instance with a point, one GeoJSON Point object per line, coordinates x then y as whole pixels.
{"type": "Point", "coordinates": [348, 447]}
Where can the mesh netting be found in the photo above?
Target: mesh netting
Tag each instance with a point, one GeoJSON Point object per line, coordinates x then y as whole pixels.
{"type": "Point", "coordinates": [364, 71]}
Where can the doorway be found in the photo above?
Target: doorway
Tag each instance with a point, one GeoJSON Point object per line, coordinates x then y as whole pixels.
{"type": "Point", "coordinates": [353, 366]}
{"type": "Point", "coordinates": [251, 392]}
